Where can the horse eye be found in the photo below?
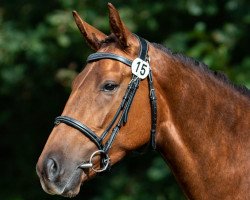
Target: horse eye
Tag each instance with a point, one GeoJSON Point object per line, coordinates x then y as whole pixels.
{"type": "Point", "coordinates": [109, 87]}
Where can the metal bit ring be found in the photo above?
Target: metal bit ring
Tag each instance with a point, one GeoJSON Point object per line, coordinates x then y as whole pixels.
{"type": "Point", "coordinates": [106, 160]}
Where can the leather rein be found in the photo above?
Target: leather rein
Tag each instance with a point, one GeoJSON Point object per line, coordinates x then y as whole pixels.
{"type": "Point", "coordinates": [122, 111]}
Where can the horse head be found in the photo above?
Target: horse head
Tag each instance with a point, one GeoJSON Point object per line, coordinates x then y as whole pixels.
{"type": "Point", "coordinates": [86, 141]}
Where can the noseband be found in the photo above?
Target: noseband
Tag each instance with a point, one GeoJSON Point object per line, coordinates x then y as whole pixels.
{"type": "Point", "coordinates": [123, 110]}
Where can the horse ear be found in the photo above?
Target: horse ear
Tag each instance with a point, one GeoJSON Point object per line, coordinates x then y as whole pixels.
{"type": "Point", "coordinates": [90, 34]}
{"type": "Point", "coordinates": [118, 27]}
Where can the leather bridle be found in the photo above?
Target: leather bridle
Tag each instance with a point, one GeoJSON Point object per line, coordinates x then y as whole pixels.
{"type": "Point", "coordinates": [121, 113]}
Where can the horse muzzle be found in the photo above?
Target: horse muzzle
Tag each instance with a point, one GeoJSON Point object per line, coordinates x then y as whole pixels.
{"type": "Point", "coordinates": [56, 179]}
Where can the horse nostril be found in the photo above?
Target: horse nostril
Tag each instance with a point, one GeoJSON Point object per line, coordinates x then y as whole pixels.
{"type": "Point", "coordinates": [52, 169]}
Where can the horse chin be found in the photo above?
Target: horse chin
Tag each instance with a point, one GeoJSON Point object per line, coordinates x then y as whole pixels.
{"type": "Point", "coordinates": [70, 188]}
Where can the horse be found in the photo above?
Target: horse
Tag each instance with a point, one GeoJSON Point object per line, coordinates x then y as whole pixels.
{"type": "Point", "coordinates": [133, 93]}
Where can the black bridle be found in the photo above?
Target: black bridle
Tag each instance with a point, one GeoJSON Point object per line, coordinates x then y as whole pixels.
{"type": "Point", "coordinates": [121, 113]}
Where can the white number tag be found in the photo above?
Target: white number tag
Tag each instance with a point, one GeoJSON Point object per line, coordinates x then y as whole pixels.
{"type": "Point", "coordinates": [140, 68]}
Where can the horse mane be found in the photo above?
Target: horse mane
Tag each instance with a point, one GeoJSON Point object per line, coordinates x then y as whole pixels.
{"type": "Point", "coordinates": [188, 61]}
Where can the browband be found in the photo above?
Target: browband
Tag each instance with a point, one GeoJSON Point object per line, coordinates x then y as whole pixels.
{"type": "Point", "coordinates": [104, 55]}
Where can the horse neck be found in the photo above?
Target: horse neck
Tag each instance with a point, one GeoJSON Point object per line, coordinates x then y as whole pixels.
{"type": "Point", "coordinates": [199, 124]}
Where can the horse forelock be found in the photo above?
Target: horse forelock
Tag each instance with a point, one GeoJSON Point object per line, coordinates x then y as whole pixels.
{"type": "Point", "coordinates": [109, 39]}
{"type": "Point", "coordinates": [191, 62]}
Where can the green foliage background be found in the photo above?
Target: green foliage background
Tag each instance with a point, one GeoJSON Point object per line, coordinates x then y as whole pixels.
{"type": "Point", "coordinates": [41, 50]}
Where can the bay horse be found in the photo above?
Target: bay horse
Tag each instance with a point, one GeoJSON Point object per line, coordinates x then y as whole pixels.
{"type": "Point", "coordinates": [133, 92]}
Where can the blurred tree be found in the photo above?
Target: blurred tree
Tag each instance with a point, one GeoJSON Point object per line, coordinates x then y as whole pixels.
{"type": "Point", "coordinates": [41, 51]}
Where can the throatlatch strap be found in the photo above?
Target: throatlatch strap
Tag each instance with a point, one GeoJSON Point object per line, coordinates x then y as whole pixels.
{"type": "Point", "coordinates": [153, 103]}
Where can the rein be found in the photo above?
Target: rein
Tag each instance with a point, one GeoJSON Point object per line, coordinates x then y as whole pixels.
{"type": "Point", "coordinates": [140, 70]}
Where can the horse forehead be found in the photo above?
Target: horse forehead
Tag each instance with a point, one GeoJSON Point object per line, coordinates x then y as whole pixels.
{"type": "Point", "coordinates": [96, 71]}
{"type": "Point", "coordinates": [110, 67]}
{"type": "Point", "coordinates": [105, 67]}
